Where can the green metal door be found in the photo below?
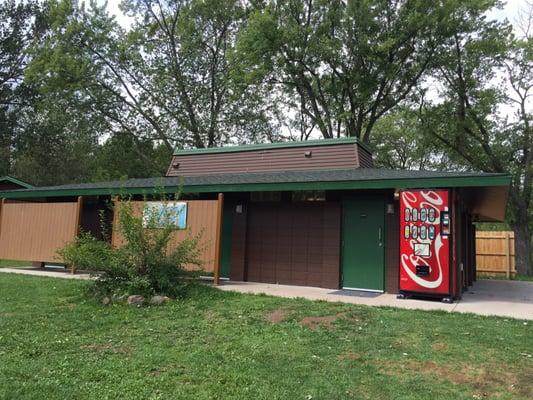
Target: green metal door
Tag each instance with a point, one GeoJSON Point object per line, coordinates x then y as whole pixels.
{"type": "Point", "coordinates": [363, 232]}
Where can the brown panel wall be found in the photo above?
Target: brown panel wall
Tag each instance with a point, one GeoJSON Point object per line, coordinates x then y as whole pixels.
{"type": "Point", "coordinates": [284, 159]}
{"type": "Point", "coordinates": [294, 244]}
{"type": "Point", "coordinates": [35, 231]}
{"type": "Point", "coordinates": [238, 245]}
{"type": "Point", "coordinates": [392, 251]}
{"type": "Point", "coordinates": [201, 219]}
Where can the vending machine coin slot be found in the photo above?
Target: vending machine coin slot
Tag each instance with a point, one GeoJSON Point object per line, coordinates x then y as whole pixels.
{"type": "Point", "coordinates": [445, 223]}
{"type": "Point", "coordinates": [422, 270]}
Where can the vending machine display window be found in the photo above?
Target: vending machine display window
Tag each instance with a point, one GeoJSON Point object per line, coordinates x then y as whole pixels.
{"type": "Point", "coordinates": [421, 249]}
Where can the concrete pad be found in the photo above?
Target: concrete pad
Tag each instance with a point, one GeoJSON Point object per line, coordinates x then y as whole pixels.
{"type": "Point", "coordinates": [63, 274]}
{"type": "Point", "coordinates": [487, 297]}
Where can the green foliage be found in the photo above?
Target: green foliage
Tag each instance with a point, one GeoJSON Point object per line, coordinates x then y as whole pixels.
{"type": "Point", "coordinates": [343, 65]}
{"type": "Point", "coordinates": [145, 263]}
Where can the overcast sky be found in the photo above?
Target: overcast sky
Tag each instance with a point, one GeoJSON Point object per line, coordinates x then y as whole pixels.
{"type": "Point", "coordinates": [509, 11]}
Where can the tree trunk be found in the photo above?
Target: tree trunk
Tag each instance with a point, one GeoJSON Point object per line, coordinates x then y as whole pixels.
{"type": "Point", "coordinates": [522, 240]}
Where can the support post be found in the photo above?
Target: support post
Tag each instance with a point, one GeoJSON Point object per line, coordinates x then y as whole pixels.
{"type": "Point", "coordinates": [508, 255]}
{"type": "Point", "coordinates": [218, 241]}
{"type": "Point", "coordinates": [77, 225]}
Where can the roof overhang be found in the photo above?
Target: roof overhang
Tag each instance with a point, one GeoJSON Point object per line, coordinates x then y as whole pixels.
{"type": "Point", "coordinates": [249, 183]}
{"type": "Point", "coordinates": [488, 203]}
{"type": "Point", "coordinates": [15, 181]}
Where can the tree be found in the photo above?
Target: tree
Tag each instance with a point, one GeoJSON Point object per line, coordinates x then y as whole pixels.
{"type": "Point", "coordinates": [123, 156]}
{"type": "Point", "coordinates": [17, 27]}
{"type": "Point", "coordinates": [346, 64]}
{"type": "Point", "coordinates": [399, 141]}
{"type": "Point", "coordinates": [484, 119]}
{"type": "Point", "coordinates": [167, 79]}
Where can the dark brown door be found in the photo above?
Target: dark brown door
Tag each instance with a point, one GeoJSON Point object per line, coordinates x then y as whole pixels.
{"type": "Point", "coordinates": [294, 244]}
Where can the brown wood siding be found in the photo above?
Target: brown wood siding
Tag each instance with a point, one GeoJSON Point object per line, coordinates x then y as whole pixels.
{"type": "Point", "coordinates": [294, 244]}
{"type": "Point", "coordinates": [238, 245]}
{"type": "Point", "coordinates": [201, 219]}
{"type": "Point", "coordinates": [392, 251]}
{"type": "Point", "coordinates": [35, 231]}
{"type": "Point", "coordinates": [365, 158]}
{"type": "Point", "coordinates": [6, 185]}
{"type": "Point", "coordinates": [287, 159]}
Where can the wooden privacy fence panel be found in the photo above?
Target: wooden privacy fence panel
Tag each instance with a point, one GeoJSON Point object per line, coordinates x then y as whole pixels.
{"type": "Point", "coordinates": [201, 219]}
{"type": "Point", "coordinates": [495, 253]}
{"type": "Point", "coordinates": [35, 231]}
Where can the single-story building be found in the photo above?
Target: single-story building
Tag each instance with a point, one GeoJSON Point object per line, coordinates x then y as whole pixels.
{"type": "Point", "coordinates": [313, 213]}
{"type": "Point", "coordinates": [11, 183]}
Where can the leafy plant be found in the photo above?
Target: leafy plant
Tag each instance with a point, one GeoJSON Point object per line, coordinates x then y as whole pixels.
{"type": "Point", "coordinates": [145, 262]}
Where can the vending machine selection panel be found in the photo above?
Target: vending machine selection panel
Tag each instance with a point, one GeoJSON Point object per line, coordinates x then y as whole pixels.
{"type": "Point", "coordinates": [425, 241]}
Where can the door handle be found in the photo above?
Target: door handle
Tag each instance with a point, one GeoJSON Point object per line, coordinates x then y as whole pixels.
{"type": "Point", "coordinates": [379, 235]}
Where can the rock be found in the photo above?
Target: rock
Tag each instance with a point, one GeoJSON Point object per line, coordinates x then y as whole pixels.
{"type": "Point", "coordinates": [136, 300]}
{"type": "Point", "coordinates": [106, 301]}
{"type": "Point", "coordinates": [157, 300]}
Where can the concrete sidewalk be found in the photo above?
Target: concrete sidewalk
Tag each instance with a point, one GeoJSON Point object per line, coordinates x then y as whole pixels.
{"type": "Point", "coordinates": [487, 297]}
{"type": "Point", "coordinates": [50, 273]}
{"type": "Point", "coordinates": [512, 299]}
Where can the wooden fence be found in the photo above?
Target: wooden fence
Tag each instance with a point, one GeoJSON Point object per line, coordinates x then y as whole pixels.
{"type": "Point", "coordinates": [495, 253]}
{"type": "Point", "coordinates": [201, 219]}
{"type": "Point", "coordinates": [35, 231]}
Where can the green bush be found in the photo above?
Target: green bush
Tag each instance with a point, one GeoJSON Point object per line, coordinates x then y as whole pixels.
{"type": "Point", "coordinates": [145, 263]}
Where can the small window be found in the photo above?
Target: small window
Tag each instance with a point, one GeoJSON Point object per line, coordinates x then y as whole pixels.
{"type": "Point", "coordinates": [265, 196]}
{"type": "Point", "coordinates": [309, 195]}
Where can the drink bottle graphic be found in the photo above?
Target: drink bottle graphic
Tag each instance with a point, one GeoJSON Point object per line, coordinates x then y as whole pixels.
{"type": "Point", "coordinates": [431, 232]}
{"type": "Point", "coordinates": [431, 215]}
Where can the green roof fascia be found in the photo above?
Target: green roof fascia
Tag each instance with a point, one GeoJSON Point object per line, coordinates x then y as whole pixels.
{"type": "Point", "coordinates": [405, 183]}
{"type": "Point", "coordinates": [16, 181]}
{"type": "Point", "coordinates": [266, 146]}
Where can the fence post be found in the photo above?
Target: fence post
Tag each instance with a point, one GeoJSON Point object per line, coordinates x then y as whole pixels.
{"type": "Point", "coordinates": [508, 255]}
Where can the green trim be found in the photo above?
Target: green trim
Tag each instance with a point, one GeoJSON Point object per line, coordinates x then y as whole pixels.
{"type": "Point", "coordinates": [406, 183]}
{"type": "Point", "coordinates": [266, 146]}
{"type": "Point", "coordinates": [16, 181]}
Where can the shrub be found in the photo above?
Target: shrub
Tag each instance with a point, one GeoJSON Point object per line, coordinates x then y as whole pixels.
{"type": "Point", "coordinates": [144, 263]}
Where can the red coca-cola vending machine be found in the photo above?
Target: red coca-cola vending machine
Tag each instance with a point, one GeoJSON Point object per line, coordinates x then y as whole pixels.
{"type": "Point", "coordinates": [426, 258]}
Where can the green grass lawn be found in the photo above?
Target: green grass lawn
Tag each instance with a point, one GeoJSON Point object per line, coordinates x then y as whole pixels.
{"type": "Point", "coordinates": [11, 263]}
{"type": "Point", "coordinates": [55, 344]}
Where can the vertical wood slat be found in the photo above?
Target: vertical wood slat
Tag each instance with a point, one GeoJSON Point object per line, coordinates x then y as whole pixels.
{"type": "Point", "coordinates": [507, 255]}
{"type": "Point", "coordinates": [218, 240]}
{"type": "Point", "coordinates": [495, 253]}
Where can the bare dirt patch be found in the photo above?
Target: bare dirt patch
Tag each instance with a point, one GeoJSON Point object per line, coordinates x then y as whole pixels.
{"type": "Point", "coordinates": [107, 348]}
{"type": "Point", "coordinates": [278, 316]}
{"type": "Point", "coordinates": [321, 322]}
{"type": "Point", "coordinates": [349, 356]}
{"type": "Point", "coordinates": [487, 380]}
{"type": "Point", "coordinates": [439, 346]}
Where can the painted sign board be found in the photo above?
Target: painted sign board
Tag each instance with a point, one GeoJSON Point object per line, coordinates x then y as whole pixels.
{"type": "Point", "coordinates": [157, 214]}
